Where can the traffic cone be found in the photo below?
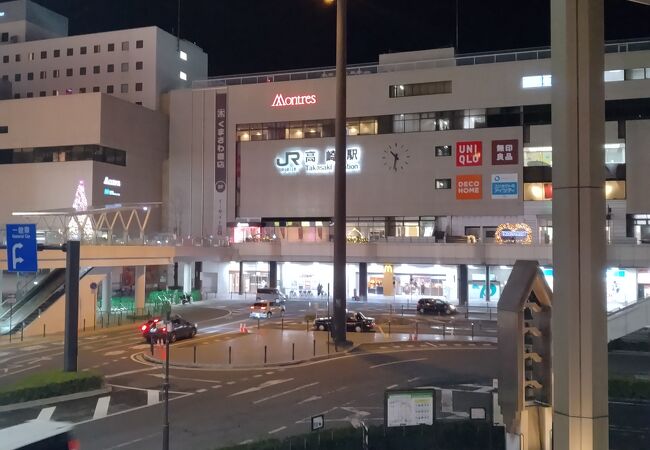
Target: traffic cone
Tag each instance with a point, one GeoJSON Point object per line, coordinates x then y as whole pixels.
{"type": "Point", "coordinates": [241, 328]}
{"type": "Point", "coordinates": [245, 329]}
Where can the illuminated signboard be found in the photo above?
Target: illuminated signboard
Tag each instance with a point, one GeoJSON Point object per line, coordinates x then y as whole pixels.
{"type": "Point", "coordinates": [513, 233]}
{"type": "Point", "coordinates": [110, 183]}
{"type": "Point", "coordinates": [469, 153]}
{"type": "Point", "coordinates": [293, 100]}
{"type": "Point", "coordinates": [315, 162]}
{"type": "Point", "coordinates": [505, 186]}
{"type": "Point", "coordinates": [469, 187]}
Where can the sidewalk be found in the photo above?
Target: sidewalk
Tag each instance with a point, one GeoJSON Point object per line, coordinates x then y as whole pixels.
{"type": "Point", "coordinates": [269, 347]}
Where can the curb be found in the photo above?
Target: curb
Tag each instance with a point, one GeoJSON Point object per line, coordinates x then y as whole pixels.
{"type": "Point", "coordinates": [60, 398]}
{"type": "Point", "coordinates": [352, 349]}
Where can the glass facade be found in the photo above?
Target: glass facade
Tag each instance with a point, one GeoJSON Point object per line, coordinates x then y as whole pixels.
{"type": "Point", "coordinates": [65, 153]}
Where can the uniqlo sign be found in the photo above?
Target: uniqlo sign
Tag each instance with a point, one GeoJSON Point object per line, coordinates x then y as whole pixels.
{"type": "Point", "coordinates": [505, 152]}
{"type": "Point", "coordinates": [469, 187]}
{"type": "Point", "coordinates": [469, 153]}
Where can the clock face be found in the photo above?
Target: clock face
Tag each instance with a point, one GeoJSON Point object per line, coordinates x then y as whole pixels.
{"type": "Point", "coordinates": [396, 157]}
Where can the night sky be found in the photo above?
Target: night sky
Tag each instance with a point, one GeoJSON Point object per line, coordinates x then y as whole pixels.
{"type": "Point", "coordinates": [243, 36]}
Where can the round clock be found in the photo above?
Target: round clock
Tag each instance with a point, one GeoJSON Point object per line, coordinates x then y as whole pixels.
{"type": "Point", "coordinates": [396, 157]}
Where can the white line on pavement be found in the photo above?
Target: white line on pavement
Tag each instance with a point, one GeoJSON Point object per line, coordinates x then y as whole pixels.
{"type": "Point", "coordinates": [200, 380]}
{"type": "Point", "coordinates": [410, 380]}
{"type": "Point", "coordinates": [101, 410]}
{"type": "Point", "coordinates": [392, 386]}
{"type": "Point", "coordinates": [260, 387]}
{"type": "Point", "coordinates": [125, 444]}
{"type": "Point", "coordinates": [153, 396]}
{"type": "Point", "coordinates": [21, 370]}
{"type": "Point", "coordinates": [398, 362]}
{"type": "Point", "coordinates": [285, 392]}
{"type": "Point", "coordinates": [129, 372]}
{"type": "Point", "coordinates": [310, 399]}
{"type": "Point", "coordinates": [199, 391]}
{"type": "Point", "coordinates": [277, 430]}
{"type": "Point", "coordinates": [247, 441]}
{"type": "Point", "coordinates": [144, 389]}
{"type": "Point", "coordinates": [46, 413]}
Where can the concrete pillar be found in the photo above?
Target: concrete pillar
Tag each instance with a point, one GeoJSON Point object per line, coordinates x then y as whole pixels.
{"type": "Point", "coordinates": [363, 281]}
{"type": "Point", "coordinates": [198, 268]}
{"type": "Point", "coordinates": [273, 274]}
{"type": "Point", "coordinates": [487, 283]}
{"type": "Point", "coordinates": [580, 414]}
{"type": "Point", "coordinates": [241, 277]}
{"type": "Point", "coordinates": [140, 283]}
{"type": "Point", "coordinates": [187, 277]}
{"type": "Point", "coordinates": [107, 291]}
{"type": "Point", "coordinates": [463, 287]}
{"type": "Point", "coordinates": [1, 286]}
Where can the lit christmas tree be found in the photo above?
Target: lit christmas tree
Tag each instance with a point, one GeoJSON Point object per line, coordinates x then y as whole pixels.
{"type": "Point", "coordinates": [80, 203]}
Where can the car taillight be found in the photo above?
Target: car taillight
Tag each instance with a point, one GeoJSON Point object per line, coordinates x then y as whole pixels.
{"type": "Point", "coordinates": [73, 444]}
{"type": "Point", "coordinates": [263, 307]}
{"type": "Point", "coordinates": [252, 307]}
{"type": "Point", "coordinates": [143, 327]}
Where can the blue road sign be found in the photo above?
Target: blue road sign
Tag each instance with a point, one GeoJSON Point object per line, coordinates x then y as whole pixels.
{"type": "Point", "coordinates": [21, 248]}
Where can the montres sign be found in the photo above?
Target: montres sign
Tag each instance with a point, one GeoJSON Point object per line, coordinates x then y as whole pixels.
{"type": "Point", "coordinates": [294, 100]}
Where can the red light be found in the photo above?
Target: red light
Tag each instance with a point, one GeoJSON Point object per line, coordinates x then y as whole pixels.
{"type": "Point", "coordinates": [156, 320]}
{"type": "Point", "coordinates": [143, 327]}
{"type": "Point", "coordinates": [73, 444]}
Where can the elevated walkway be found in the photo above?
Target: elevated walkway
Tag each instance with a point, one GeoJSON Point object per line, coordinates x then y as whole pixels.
{"type": "Point", "coordinates": [628, 319]}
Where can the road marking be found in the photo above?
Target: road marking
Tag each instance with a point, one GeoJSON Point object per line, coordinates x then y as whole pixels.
{"type": "Point", "coordinates": [310, 399]}
{"type": "Point", "coordinates": [247, 441]}
{"type": "Point", "coordinates": [153, 396]}
{"type": "Point", "coordinates": [46, 413]}
{"type": "Point", "coordinates": [140, 347]}
{"type": "Point", "coordinates": [277, 430]}
{"type": "Point", "coordinates": [32, 348]}
{"type": "Point", "coordinates": [21, 370]}
{"type": "Point", "coordinates": [397, 362]}
{"type": "Point", "coordinates": [257, 376]}
{"type": "Point", "coordinates": [392, 386]}
{"type": "Point", "coordinates": [101, 410]}
{"type": "Point", "coordinates": [125, 444]}
{"type": "Point", "coordinates": [199, 391]}
{"type": "Point", "coordinates": [446, 401]}
{"type": "Point", "coordinates": [128, 372]}
{"type": "Point", "coordinates": [216, 386]}
{"type": "Point", "coordinates": [410, 380]}
{"type": "Point", "coordinates": [430, 344]}
{"type": "Point", "coordinates": [260, 387]}
{"type": "Point", "coordinates": [114, 353]}
{"type": "Point", "coordinates": [200, 380]}
{"type": "Point", "coordinates": [231, 383]}
{"type": "Point", "coordinates": [285, 392]}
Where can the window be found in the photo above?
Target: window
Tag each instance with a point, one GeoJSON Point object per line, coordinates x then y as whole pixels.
{"type": "Point", "coordinates": [5, 78]}
{"type": "Point", "coordinates": [82, 71]}
{"type": "Point", "coordinates": [125, 67]}
{"type": "Point", "coordinates": [5, 59]}
{"type": "Point", "coordinates": [44, 54]}
{"type": "Point", "coordinates": [17, 77]}
{"type": "Point", "coordinates": [110, 68]}
{"type": "Point", "coordinates": [409, 90]}
{"type": "Point", "coordinates": [95, 69]}
{"type": "Point", "coordinates": [30, 56]}
{"type": "Point", "coordinates": [57, 53]}
{"type": "Point", "coordinates": [42, 94]}
{"type": "Point", "coordinates": [138, 103]}
{"type": "Point", "coordinates": [30, 94]}
{"type": "Point", "coordinates": [70, 52]}
{"type": "Point", "coordinates": [5, 37]}
{"type": "Point", "coordinates": [96, 48]}
{"type": "Point", "coordinates": [634, 74]}
{"type": "Point", "coordinates": [111, 47]}
{"type": "Point", "coordinates": [68, 72]}
{"type": "Point", "coordinates": [55, 92]}
{"type": "Point", "coordinates": [16, 95]}
{"type": "Point", "coordinates": [125, 46]}
{"type": "Point", "coordinates": [95, 88]}
{"type": "Point", "coordinates": [536, 81]}
{"type": "Point", "coordinates": [138, 65]}
{"type": "Point", "coordinates": [82, 90]}
{"type": "Point", "coordinates": [18, 58]}
{"type": "Point", "coordinates": [614, 75]}
{"type": "Point", "coordinates": [124, 88]}
{"type": "Point", "coordinates": [55, 73]}
{"type": "Point", "coordinates": [182, 55]}
{"type": "Point", "coordinates": [43, 74]}
{"type": "Point", "coordinates": [30, 76]}
{"type": "Point", "coordinates": [443, 183]}
{"type": "Point", "coordinates": [83, 50]}
{"type": "Point", "coordinates": [443, 150]}
{"type": "Point", "coordinates": [109, 89]}
{"type": "Point", "coordinates": [138, 87]}
{"type": "Point", "coordinates": [139, 44]}
{"type": "Point", "coordinates": [182, 75]}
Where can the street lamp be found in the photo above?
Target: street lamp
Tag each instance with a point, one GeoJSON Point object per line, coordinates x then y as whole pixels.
{"type": "Point", "coordinates": [339, 309]}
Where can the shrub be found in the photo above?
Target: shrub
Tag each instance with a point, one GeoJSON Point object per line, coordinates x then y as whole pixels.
{"type": "Point", "coordinates": [49, 384]}
{"type": "Point", "coordinates": [629, 389]}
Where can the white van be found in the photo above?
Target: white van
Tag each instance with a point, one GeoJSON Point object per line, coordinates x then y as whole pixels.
{"type": "Point", "coordinates": [270, 294]}
{"type": "Point", "coordinates": [39, 435]}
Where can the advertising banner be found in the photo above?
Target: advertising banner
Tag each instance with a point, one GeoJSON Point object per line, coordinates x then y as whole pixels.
{"type": "Point", "coordinates": [220, 170]}
{"type": "Point", "coordinates": [505, 152]}
{"type": "Point", "coordinates": [505, 186]}
{"type": "Point", "coordinates": [469, 153]}
{"type": "Point", "coordinates": [469, 187]}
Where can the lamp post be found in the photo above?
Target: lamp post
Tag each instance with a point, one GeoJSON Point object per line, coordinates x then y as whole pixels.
{"type": "Point", "coordinates": [339, 309]}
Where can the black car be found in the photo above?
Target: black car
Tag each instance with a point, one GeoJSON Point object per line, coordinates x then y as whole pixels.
{"type": "Point", "coordinates": [435, 306]}
{"type": "Point", "coordinates": [353, 322]}
{"type": "Point", "coordinates": [177, 328]}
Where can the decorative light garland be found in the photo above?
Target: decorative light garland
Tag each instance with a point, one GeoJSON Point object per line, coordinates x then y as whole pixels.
{"type": "Point", "coordinates": [514, 239]}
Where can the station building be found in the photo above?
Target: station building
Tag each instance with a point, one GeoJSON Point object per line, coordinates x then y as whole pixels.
{"type": "Point", "coordinates": [449, 172]}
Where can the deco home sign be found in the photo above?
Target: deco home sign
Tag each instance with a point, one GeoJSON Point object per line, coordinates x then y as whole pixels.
{"type": "Point", "coordinates": [315, 162]}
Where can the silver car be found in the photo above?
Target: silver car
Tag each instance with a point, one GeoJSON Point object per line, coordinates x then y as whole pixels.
{"type": "Point", "coordinates": [266, 309]}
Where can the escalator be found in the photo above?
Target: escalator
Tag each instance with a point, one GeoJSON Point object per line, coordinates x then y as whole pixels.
{"type": "Point", "coordinates": [35, 301]}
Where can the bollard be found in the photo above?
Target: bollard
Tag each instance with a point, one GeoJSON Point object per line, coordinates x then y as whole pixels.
{"type": "Point", "coordinates": [327, 344]}
{"type": "Point", "coordinates": [22, 329]}
{"type": "Point", "coordinates": [282, 323]}
{"type": "Point", "coordinates": [416, 328]}
{"type": "Point", "coordinates": [43, 330]}
{"type": "Point", "coordinates": [402, 310]}
{"type": "Point", "coordinates": [293, 351]}
{"type": "Point", "coordinates": [95, 321]}
{"type": "Point", "coordinates": [84, 324]}
{"type": "Point", "coordinates": [308, 325]}
{"type": "Point", "coordinates": [444, 329]}
{"type": "Point", "coordinates": [119, 319]}
{"type": "Point", "coordinates": [265, 354]}
{"type": "Point", "coordinates": [229, 355]}
{"type": "Point", "coordinates": [258, 323]}
{"type": "Point", "coordinates": [102, 320]}
{"type": "Point", "coordinates": [490, 310]}
{"type": "Point", "coordinates": [314, 347]}
{"type": "Point", "coordinates": [472, 330]}
{"type": "Point", "coordinates": [389, 327]}
{"type": "Point", "coordinates": [195, 354]}
{"type": "Point", "coordinates": [108, 319]}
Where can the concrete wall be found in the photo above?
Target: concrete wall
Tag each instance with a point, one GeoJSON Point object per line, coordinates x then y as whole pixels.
{"type": "Point", "coordinates": [638, 162]}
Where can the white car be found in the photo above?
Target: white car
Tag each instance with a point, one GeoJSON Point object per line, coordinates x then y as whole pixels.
{"type": "Point", "coordinates": [266, 309]}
